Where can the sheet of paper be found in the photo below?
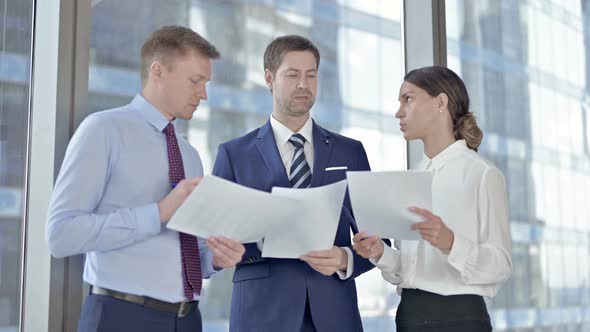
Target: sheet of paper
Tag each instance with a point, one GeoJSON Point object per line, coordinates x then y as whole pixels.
{"type": "Point", "coordinates": [380, 201]}
{"type": "Point", "coordinates": [221, 207]}
{"type": "Point", "coordinates": [313, 224]}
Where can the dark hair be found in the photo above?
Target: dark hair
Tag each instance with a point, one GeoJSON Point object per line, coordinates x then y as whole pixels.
{"type": "Point", "coordinates": [273, 55]}
{"type": "Point", "coordinates": [172, 40]}
{"type": "Point", "coordinates": [436, 80]}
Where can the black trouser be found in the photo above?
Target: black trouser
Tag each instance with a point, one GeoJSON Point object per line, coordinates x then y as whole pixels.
{"type": "Point", "coordinates": [421, 311]}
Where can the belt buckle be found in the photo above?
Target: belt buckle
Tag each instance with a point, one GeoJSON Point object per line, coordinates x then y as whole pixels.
{"type": "Point", "coordinates": [184, 309]}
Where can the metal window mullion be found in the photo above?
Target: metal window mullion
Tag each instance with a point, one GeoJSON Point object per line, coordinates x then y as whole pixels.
{"type": "Point", "coordinates": [53, 289]}
{"type": "Point", "coordinates": [424, 44]}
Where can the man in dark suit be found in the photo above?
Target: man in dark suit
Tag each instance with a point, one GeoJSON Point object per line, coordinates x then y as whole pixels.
{"type": "Point", "coordinates": [316, 292]}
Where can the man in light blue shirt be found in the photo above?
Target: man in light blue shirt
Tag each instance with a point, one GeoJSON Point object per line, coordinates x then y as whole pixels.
{"type": "Point", "coordinates": [124, 175]}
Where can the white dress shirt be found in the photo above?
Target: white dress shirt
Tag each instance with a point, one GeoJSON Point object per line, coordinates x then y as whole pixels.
{"type": "Point", "coordinates": [469, 195]}
{"type": "Point", "coordinates": [286, 148]}
{"type": "Point", "coordinates": [287, 151]}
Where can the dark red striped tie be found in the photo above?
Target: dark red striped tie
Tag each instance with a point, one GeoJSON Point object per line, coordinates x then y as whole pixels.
{"type": "Point", "coordinates": [189, 246]}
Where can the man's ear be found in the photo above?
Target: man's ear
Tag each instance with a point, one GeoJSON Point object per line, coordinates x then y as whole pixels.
{"type": "Point", "coordinates": [156, 70]}
{"type": "Point", "coordinates": [269, 79]}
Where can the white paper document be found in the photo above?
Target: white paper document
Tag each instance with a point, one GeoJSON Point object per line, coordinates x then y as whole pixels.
{"type": "Point", "coordinates": [380, 201]}
{"type": "Point", "coordinates": [313, 224]}
{"type": "Point", "coordinates": [221, 207]}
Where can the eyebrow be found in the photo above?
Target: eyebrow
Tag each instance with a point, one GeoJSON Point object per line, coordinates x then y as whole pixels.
{"type": "Point", "coordinates": [404, 95]}
{"type": "Point", "coordinates": [199, 77]}
{"type": "Point", "coordinates": [307, 71]}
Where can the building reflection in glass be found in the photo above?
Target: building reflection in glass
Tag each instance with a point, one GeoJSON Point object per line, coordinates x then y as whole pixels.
{"type": "Point", "coordinates": [526, 66]}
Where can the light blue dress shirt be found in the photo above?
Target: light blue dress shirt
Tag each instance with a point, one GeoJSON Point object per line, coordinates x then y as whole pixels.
{"type": "Point", "coordinates": [105, 200]}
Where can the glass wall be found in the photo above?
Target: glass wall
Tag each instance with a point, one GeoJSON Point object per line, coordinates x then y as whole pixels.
{"type": "Point", "coordinates": [526, 65]}
{"type": "Point", "coordinates": [360, 73]}
{"type": "Point", "coordinates": [15, 54]}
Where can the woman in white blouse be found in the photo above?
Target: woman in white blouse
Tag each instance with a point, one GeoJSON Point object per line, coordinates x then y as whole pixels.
{"type": "Point", "coordinates": [465, 249]}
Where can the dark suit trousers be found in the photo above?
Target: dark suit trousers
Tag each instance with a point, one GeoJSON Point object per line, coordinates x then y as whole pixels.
{"type": "Point", "coordinates": [307, 325]}
{"type": "Point", "coordinates": [106, 314]}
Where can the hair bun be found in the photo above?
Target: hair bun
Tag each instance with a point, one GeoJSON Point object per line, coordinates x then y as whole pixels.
{"type": "Point", "coordinates": [466, 128]}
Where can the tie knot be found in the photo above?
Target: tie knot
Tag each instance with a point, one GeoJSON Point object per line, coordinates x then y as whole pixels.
{"type": "Point", "coordinates": [169, 130]}
{"type": "Point", "coordinates": [297, 140]}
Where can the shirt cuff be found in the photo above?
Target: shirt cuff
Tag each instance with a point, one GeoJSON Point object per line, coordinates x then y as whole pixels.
{"type": "Point", "coordinates": [207, 268]}
{"type": "Point", "coordinates": [349, 267]}
{"type": "Point", "coordinates": [460, 252]}
{"type": "Point", "coordinates": [389, 259]}
{"type": "Point", "coordinates": [148, 220]}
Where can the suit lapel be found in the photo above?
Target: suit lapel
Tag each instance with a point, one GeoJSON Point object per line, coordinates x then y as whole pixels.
{"type": "Point", "coordinates": [322, 149]}
{"type": "Point", "coordinates": [267, 147]}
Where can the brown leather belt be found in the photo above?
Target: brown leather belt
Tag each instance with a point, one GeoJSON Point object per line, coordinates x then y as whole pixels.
{"type": "Point", "coordinates": [181, 309]}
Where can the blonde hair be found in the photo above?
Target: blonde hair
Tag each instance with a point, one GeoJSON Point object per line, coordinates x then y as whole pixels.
{"type": "Point", "coordinates": [169, 41]}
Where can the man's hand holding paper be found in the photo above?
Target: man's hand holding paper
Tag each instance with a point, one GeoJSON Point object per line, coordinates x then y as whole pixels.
{"type": "Point", "coordinates": [220, 207]}
{"type": "Point", "coordinates": [293, 222]}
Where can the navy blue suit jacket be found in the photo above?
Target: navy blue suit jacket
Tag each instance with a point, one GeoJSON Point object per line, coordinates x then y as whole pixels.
{"type": "Point", "coordinates": [270, 294]}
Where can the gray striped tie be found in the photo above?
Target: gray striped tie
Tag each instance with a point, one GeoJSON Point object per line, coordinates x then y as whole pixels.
{"type": "Point", "coordinates": [300, 172]}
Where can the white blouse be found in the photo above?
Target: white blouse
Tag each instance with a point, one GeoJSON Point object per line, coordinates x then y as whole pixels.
{"type": "Point", "coordinates": [469, 195]}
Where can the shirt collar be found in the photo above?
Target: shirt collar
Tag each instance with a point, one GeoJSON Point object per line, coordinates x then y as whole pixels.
{"type": "Point", "coordinates": [446, 155]}
{"type": "Point", "coordinates": [282, 133]}
{"type": "Point", "coordinates": [150, 113]}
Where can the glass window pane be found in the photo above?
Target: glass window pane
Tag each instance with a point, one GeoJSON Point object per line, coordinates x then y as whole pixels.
{"type": "Point", "coordinates": [531, 101]}
{"type": "Point", "coordinates": [15, 55]}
